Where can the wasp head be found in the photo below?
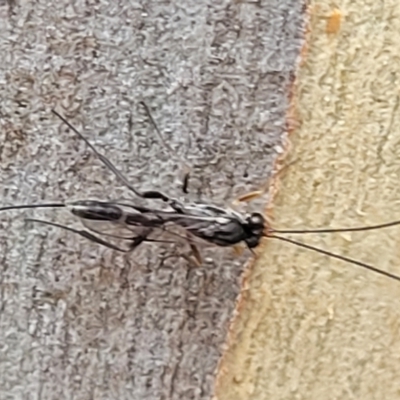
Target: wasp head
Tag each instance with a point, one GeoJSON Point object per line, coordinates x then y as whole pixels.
{"type": "Point", "coordinates": [255, 229]}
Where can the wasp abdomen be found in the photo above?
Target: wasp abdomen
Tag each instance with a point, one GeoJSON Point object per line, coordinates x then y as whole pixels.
{"type": "Point", "coordinates": [96, 210]}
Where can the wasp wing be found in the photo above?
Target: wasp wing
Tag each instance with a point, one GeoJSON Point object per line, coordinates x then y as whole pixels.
{"type": "Point", "coordinates": [154, 226]}
{"type": "Point", "coordinates": [122, 224]}
{"type": "Point", "coordinates": [115, 229]}
{"type": "Point", "coordinates": [127, 222]}
{"type": "Point", "coordinates": [224, 230]}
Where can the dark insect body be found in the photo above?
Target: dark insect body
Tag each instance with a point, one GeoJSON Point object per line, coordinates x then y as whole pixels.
{"type": "Point", "coordinates": [131, 224]}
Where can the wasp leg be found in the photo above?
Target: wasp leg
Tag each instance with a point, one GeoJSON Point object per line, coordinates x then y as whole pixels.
{"type": "Point", "coordinates": [117, 173]}
{"type": "Point", "coordinates": [168, 147]}
{"type": "Point", "coordinates": [136, 241]}
{"type": "Point", "coordinates": [258, 193]}
{"type": "Point", "coordinates": [238, 250]}
{"type": "Point", "coordinates": [185, 182]}
{"type": "Point", "coordinates": [100, 156]}
{"type": "Point", "coordinates": [173, 203]}
{"type": "Point", "coordinates": [156, 195]}
{"type": "Point", "coordinates": [196, 255]}
{"type": "Point", "coordinates": [249, 196]}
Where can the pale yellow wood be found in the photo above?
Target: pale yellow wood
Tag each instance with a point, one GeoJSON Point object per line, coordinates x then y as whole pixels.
{"type": "Point", "coordinates": [308, 327]}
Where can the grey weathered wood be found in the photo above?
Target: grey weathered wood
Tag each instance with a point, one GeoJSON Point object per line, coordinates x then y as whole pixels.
{"type": "Point", "coordinates": [79, 321]}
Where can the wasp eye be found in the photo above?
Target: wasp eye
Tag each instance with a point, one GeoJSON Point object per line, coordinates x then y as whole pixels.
{"type": "Point", "coordinates": [256, 220]}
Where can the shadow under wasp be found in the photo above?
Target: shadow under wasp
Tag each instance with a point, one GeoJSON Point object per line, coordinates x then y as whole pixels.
{"type": "Point", "coordinates": [131, 225]}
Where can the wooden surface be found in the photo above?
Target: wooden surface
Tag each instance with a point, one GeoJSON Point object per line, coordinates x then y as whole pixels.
{"type": "Point", "coordinates": [78, 321]}
{"type": "Point", "coordinates": [309, 327]}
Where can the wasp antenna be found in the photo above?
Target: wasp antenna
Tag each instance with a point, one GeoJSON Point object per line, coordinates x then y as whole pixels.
{"type": "Point", "coordinates": [329, 230]}
{"type": "Point", "coordinates": [337, 256]}
{"type": "Point", "coordinates": [24, 206]}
